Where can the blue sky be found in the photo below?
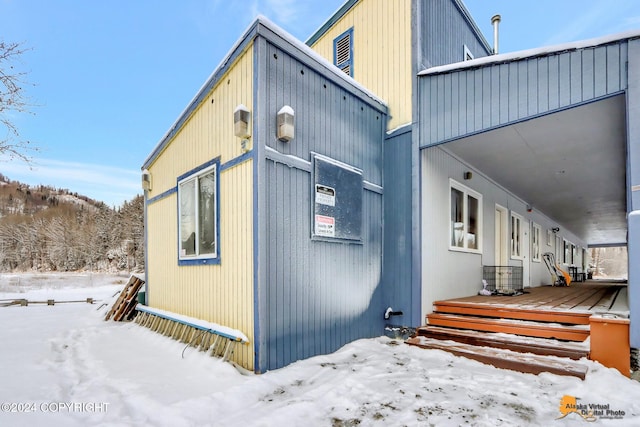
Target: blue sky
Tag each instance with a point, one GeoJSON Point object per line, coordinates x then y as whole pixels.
{"type": "Point", "coordinates": [110, 77]}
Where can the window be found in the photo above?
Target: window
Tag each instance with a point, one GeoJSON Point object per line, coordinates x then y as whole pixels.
{"type": "Point", "coordinates": [343, 52]}
{"type": "Point", "coordinates": [466, 218]}
{"type": "Point", "coordinates": [337, 201]}
{"type": "Point", "coordinates": [549, 238]}
{"type": "Point", "coordinates": [516, 236]}
{"type": "Point", "coordinates": [535, 243]}
{"type": "Point", "coordinates": [569, 252]}
{"type": "Point", "coordinates": [467, 55]}
{"type": "Point", "coordinates": [198, 215]}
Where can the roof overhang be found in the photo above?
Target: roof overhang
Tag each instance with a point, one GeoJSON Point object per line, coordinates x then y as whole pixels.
{"type": "Point", "coordinates": [569, 165]}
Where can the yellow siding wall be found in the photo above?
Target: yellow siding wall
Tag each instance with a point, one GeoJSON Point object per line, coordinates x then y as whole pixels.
{"type": "Point", "coordinates": [216, 293]}
{"type": "Point", "coordinates": [382, 51]}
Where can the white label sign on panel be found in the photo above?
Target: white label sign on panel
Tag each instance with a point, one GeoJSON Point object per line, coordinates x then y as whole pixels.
{"type": "Point", "coordinates": [325, 226]}
{"type": "Point", "coordinates": [325, 195]}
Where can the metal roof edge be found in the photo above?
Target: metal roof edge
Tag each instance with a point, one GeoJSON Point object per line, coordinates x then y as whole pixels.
{"type": "Point", "coordinates": [335, 17]}
{"type": "Point", "coordinates": [262, 26]}
{"type": "Point", "coordinates": [472, 23]}
{"type": "Point", "coordinates": [317, 62]}
{"type": "Point", "coordinates": [530, 53]}
{"type": "Point", "coordinates": [235, 51]}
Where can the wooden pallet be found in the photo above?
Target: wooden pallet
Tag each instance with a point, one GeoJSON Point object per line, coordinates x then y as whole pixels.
{"type": "Point", "coordinates": [123, 308]}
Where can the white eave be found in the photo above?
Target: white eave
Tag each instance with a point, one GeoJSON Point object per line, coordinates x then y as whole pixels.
{"type": "Point", "coordinates": [530, 53]}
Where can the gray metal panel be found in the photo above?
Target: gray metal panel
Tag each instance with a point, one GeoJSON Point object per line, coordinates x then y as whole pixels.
{"type": "Point", "coordinates": [328, 119]}
{"type": "Point", "coordinates": [396, 271]}
{"type": "Point", "coordinates": [543, 84]}
{"type": "Point", "coordinates": [316, 295]}
{"type": "Point", "coordinates": [497, 94]}
{"type": "Point", "coordinates": [613, 68]}
{"type": "Point", "coordinates": [445, 29]}
{"type": "Point", "coordinates": [600, 71]}
{"type": "Point", "coordinates": [576, 76]}
{"type": "Point", "coordinates": [633, 182]}
{"type": "Point", "coordinates": [633, 130]}
{"type": "Point", "coordinates": [259, 218]}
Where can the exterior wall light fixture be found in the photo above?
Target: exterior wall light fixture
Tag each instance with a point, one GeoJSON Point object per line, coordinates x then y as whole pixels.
{"type": "Point", "coordinates": [285, 124]}
{"type": "Point", "coordinates": [241, 118]}
{"type": "Point", "coordinates": [146, 180]}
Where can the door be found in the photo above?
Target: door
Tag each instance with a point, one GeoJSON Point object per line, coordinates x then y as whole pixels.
{"type": "Point", "coordinates": [526, 251]}
{"type": "Point", "coordinates": [501, 240]}
{"type": "Point", "coordinates": [501, 245]}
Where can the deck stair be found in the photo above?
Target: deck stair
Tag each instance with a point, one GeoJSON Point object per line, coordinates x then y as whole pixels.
{"type": "Point", "coordinates": [505, 359]}
{"type": "Point", "coordinates": [521, 336]}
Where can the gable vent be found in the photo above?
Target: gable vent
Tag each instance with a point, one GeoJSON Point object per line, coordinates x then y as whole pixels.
{"type": "Point", "coordinates": [343, 49]}
{"type": "Point", "coordinates": [343, 52]}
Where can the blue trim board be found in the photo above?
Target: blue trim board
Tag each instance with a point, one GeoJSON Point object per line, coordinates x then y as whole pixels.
{"type": "Point", "coordinates": [236, 161]}
{"type": "Point", "coordinates": [472, 24]}
{"type": "Point", "coordinates": [215, 161]}
{"type": "Point", "coordinates": [162, 195]}
{"type": "Point", "coordinates": [204, 91]}
{"type": "Point", "coordinates": [271, 32]}
{"type": "Point", "coordinates": [146, 245]}
{"type": "Point", "coordinates": [523, 119]}
{"type": "Point", "coordinates": [259, 51]}
{"type": "Point", "coordinates": [399, 131]}
{"type": "Point", "coordinates": [231, 163]}
{"type": "Point", "coordinates": [337, 15]}
{"type": "Point", "coordinates": [322, 67]}
{"type": "Point", "coordinates": [203, 261]}
{"type": "Point", "coordinates": [633, 248]}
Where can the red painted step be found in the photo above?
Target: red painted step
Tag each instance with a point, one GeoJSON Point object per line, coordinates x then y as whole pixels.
{"type": "Point", "coordinates": [511, 312]}
{"type": "Point", "coordinates": [545, 347]}
{"type": "Point", "coordinates": [505, 359]}
{"type": "Point", "coordinates": [518, 327]}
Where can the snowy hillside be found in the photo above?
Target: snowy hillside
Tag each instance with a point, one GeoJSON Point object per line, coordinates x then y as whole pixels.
{"type": "Point", "coordinates": [63, 365]}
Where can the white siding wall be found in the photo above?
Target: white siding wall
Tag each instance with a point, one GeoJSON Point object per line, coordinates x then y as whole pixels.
{"type": "Point", "coordinates": [451, 274]}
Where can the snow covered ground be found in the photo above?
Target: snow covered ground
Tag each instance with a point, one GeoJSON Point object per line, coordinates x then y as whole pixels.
{"type": "Point", "coordinates": [63, 365]}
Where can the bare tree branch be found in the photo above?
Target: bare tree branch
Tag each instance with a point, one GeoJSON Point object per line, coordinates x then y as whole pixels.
{"type": "Point", "coordinates": [13, 100]}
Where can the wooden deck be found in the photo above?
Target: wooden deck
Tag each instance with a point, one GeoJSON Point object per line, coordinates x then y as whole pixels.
{"type": "Point", "coordinates": [582, 298]}
{"type": "Point", "coordinates": [544, 321]}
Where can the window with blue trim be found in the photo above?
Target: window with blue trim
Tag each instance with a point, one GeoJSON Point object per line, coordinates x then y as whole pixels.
{"type": "Point", "coordinates": [198, 215]}
{"type": "Point", "coordinates": [343, 52]}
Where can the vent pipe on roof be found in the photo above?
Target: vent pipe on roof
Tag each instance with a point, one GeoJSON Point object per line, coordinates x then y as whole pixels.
{"type": "Point", "coordinates": [495, 21]}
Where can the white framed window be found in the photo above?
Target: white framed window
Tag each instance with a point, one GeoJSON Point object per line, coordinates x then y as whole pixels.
{"type": "Point", "coordinates": [465, 204]}
{"type": "Point", "coordinates": [198, 216]}
{"type": "Point", "coordinates": [559, 253]}
{"type": "Point", "coordinates": [467, 55]}
{"type": "Point", "coordinates": [569, 252]}
{"type": "Point", "coordinates": [549, 238]}
{"type": "Point", "coordinates": [535, 242]}
{"type": "Point", "coordinates": [517, 234]}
